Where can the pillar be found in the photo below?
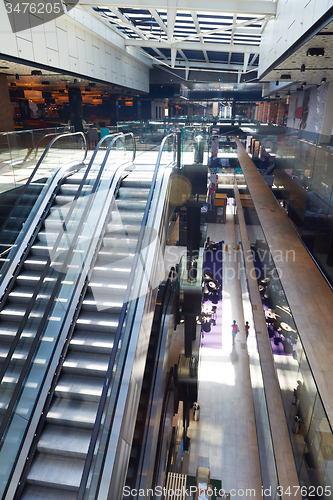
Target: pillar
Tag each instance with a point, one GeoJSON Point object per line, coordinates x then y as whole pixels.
{"type": "Point", "coordinates": [75, 108]}
{"type": "Point", "coordinates": [327, 125]}
{"type": "Point", "coordinates": [7, 120]}
{"type": "Point", "coordinates": [113, 109]}
{"type": "Point", "coordinates": [265, 111]}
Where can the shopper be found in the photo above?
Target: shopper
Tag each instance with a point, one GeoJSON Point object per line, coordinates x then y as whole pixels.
{"type": "Point", "coordinates": [234, 331]}
{"type": "Point", "coordinates": [247, 328]}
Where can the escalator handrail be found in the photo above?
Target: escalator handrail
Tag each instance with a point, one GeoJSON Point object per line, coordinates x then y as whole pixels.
{"type": "Point", "coordinates": [108, 376]}
{"type": "Point", "coordinates": [44, 319]}
{"type": "Point", "coordinates": [47, 149]}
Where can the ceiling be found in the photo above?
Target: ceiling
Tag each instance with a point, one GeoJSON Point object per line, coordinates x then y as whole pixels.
{"type": "Point", "coordinates": [215, 46]}
{"type": "Point", "coordinates": [223, 36]}
{"type": "Point", "coordinates": [304, 70]}
{"type": "Point", "coordinates": [22, 76]}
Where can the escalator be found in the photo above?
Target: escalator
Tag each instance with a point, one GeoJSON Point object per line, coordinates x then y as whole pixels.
{"type": "Point", "coordinates": [47, 235]}
{"type": "Point", "coordinates": [63, 445]}
{"type": "Point", "coordinates": [84, 322]}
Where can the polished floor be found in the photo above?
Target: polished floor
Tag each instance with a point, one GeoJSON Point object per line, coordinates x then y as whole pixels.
{"type": "Point", "coordinates": [225, 437]}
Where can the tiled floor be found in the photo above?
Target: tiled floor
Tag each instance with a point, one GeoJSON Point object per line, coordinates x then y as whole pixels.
{"type": "Point", "coordinates": [225, 437]}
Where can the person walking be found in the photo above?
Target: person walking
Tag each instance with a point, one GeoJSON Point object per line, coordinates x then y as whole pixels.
{"type": "Point", "coordinates": [247, 328]}
{"type": "Point", "coordinates": [234, 331]}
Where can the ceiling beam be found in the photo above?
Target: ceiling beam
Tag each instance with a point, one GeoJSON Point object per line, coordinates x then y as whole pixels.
{"type": "Point", "coordinates": [125, 22]}
{"type": "Point", "coordinates": [222, 30]}
{"type": "Point", "coordinates": [158, 19]}
{"type": "Point", "coordinates": [160, 54]}
{"type": "Point", "coordinates": [197, 27]}
{"type": "Point", "coordinates": [214, 47]}
{"type": "Point", "coordinates": [234, 19]}
{"type": "Point", "coordinates": [254, 58]}
{"type": "Point", "coordinates": [173, 57]}
{"type": "Point", "coordinates": [183, 55]}
{"type": "Point", "coordinates": [246, 61]}
{"type": "Point", "coordinates": [215, 67]}
{"type": "Point", "coordinates": [255, 7]}
{"type": "Point", "coordinates": [171, 18]}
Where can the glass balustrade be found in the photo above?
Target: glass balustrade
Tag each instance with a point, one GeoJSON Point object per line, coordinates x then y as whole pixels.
{"type": "Point", "coordinates": [309, 428]}
{"type": "Point", "coordinates": [61, 150]}
{"type": "Point", "coordinates": [20, 152]}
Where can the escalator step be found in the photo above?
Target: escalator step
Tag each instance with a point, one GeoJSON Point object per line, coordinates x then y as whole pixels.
{"type": "Point", "coordinates": [130, 194]}
{"type": "Point", "coordinates": [137, 182]}
{"type": "Point", "coordinates": [117, 273]}
{"type": "Point", "coordinates": [68, 189]}
{"type": "Point", "coordinates": [112, 257]}
{"type": "Point", "coordinates": [34, 263]}
{"type": "Point", "coordinates": [21, 294]}
{"type": "Point", "coordinates": [123, 230]}
{"type": "Point", "coordinates": [92, 342]}
{"type": "Point", "coordinates": [79, 387]}
{"type": "Point", "coordinates": [49, 236]}
{"type": "Point", "coordinates": [99, 302]}
{"type": "Point", "coordinates": [102, 288]}
{"type": "Point", "coordinates": [72, 413]}
{"type": "Point", "coordinates": [8, 331]}
{"type": "Point", "coordinates": [87, 364]}
{"type": "Point", "coordinates": [57, 472]}
{"type": "Point", "coordinates": [126, 217]}
{"type": "Point", "coordinates": [68, 441]}
{"type": "Point", "coordinates": [47, 493]}
{"type": "Point", "coordinates": [63, 199]}
{"type": "Point", "coordinates": [122, 244]}
{"type": "Point", "coordinates": [137, 205]}
{"type": "Point", "coordinates": [30, 278]}
{"type": "Point", "coordinates": [14, 311]}
{"type": "Point", "coordinates": [98, 322]}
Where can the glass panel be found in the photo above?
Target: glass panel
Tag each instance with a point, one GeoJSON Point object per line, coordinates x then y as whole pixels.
{"type": "Point", "coordinates": [319, 453]}
{"type": "Point", "coordinates": [20, 152]}
{"type": "Point", "coordinates": [309, 428]}
{"type": "Point", "coordinates": [64, 149]}
{"type": "Point", "coordinates": [269, 475]}
{"type": "Point", "coordinates": [302, 181]}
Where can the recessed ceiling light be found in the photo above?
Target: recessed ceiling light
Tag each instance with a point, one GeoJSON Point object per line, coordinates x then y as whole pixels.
{"type": "Point", "coordinates": [315, 52]}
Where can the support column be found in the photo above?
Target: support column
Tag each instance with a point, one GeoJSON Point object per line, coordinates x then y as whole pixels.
{"type": "Point", "coordinates": [265, 111]}
{"type": "Point", "coordinates": [75, 108]}
{"type": "Point", "coordinates": [7, 120]}
{"type": "Point", "coordinates": [193, 230]}
{"type": "Point", "coordinates": [327, 125]}
{"type": "Point", "coordinates": [113, 109]}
